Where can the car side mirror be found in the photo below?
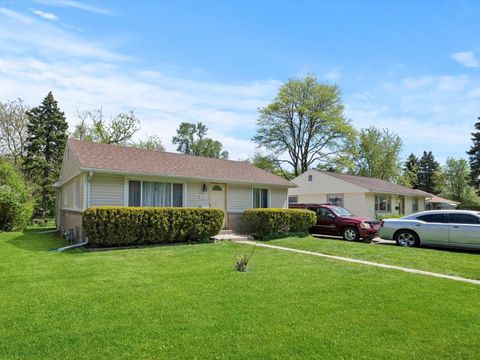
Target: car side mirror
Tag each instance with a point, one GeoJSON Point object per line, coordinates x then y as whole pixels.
{"type": "Point", "coordinates": [331, 216]}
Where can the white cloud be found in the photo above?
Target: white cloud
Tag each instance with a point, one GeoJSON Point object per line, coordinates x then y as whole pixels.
{"type": "Point", "coordinates": [45, 15]}
{"type": "Point", "coordinates": [15, 15]}
{"type": "Point", "coordinates": [466, 58]}
{"type": "Point", "coordinates": [333, 75]}
{"type": "Point", "coordinates": [78, 5]}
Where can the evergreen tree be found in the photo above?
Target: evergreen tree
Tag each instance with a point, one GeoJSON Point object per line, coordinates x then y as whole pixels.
{"type": "Point", "coordinates": [428, 173]}
{"type": "Point", "coordinates": [474, 158]}
{"type": "Point", "coordinates": [410, 171]}
{"type": "Point", "coordinates": [46, 139]}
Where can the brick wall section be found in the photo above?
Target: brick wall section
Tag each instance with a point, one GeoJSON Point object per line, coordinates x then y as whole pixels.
{"type": "Point", "coordinates": [71, 219]}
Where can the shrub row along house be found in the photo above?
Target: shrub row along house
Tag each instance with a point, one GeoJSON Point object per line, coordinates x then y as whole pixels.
{"type": "Point", "coordinates": [95, 174]}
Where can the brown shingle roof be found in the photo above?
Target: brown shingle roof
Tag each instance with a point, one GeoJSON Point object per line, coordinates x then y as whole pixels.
{"type": "Point", "coordinates": [375, 185]}
{"type": "Point", "coordinates": [123, 159]}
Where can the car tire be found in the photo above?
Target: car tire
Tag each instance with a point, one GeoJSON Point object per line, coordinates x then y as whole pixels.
{"type": "Point", "coordinates": [350, 234]}
{"type": "Point", "coordinates": [406, 238]}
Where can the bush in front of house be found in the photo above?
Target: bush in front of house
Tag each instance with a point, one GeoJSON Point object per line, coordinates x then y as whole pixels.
{"type": "Point", "coordinates": [270, 223]}
{"type": "Point", "coordinates": [124, 226]}
{"type": "Point", "coordinates": [16, 206]}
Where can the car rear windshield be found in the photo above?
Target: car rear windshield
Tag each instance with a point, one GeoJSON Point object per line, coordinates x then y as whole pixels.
{"type": "Point", "coordinates": [339, 211]}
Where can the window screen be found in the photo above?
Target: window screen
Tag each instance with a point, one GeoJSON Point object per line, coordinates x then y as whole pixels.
{"type": "Point", "coordinates": [177, 195]}
{"type": "Point", "coordinates": [335, 199]}
{"type": "Point", "coordinates": [260, 198]}
{"type": "Point", "coordinates": [134, 193]}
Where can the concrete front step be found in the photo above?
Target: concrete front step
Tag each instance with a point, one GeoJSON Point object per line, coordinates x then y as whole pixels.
{"type": "Point", "coordinates": [225, 232]}
{"type": "Point", "coordinates": [231, 237]}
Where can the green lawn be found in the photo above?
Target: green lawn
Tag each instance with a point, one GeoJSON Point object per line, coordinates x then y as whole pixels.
{"type": "Point", "coordinates": [444, 261]}
{"type": "Point", "coordinates": [187, 302]}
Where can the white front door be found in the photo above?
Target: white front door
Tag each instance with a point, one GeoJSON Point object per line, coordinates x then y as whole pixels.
{"type": "Point", "coordinates": [216, 198]}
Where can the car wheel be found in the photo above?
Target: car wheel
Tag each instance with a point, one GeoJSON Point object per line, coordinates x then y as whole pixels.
{"type": "Point", "coordinates": [350, 234]}
{"type": "Point", "coordinates": [406, 238]}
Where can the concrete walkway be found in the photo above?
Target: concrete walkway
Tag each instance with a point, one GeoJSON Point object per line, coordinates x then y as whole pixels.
{"type": "Point", "coordinates": [363, 262]}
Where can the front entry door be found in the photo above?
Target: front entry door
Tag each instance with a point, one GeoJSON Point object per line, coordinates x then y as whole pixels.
{"type": "Point", "coordinates": [217, 199]}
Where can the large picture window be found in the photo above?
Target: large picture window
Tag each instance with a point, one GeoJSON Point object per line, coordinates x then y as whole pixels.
{"type": "Point", "coordinates": [260, 198]}
{"type": "Point", "coordinates": [383, 203]}
{"type": "Point", "coordinates": [154, 194]}
{"type": "Point", "coordinates": [415, 205]}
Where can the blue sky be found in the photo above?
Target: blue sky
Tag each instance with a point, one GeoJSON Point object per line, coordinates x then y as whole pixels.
{"type": "Point", "coordinates": [409, 66]}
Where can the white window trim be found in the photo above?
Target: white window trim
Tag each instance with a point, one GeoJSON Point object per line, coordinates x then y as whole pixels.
{"type": "Point", "coordinates": [142, 180]}
{"type": "Point", "coordinates": [389, 201]}
{"type": "Point", "coordinates": [269, 195]}
{"type": "Point", "coordinates": [337, 195]}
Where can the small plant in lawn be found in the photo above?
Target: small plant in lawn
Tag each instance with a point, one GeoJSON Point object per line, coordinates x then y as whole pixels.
{"type": "Point", "coordinates": [243, 260]}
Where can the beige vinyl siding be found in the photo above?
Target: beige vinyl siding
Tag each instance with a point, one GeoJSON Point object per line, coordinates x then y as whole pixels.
{"type": "Point", "coordinates": [195, 196]}
{"type": "Point", "coordinates": [70, 193]}
{"type": "Point", "coordinates": [107, 190]}
{"type": "Point", "coordinates": [311, 198]}
{"type": "Point", "coordinates": [70, 166]}
{"type": "Point", "coordinates": [279, 198]}
{"type": "Point", "coordinates": [322, 184]}
{"type": "Point", "coordinates": [355, 203]}
{"type": "Point", "coordinates": [81, 195]}
{"type": "Point", "coordinates": [239, 198]}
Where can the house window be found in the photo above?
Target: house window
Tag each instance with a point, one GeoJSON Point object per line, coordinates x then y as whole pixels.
{"type": "Point", "coordinates": [383, 203]}
{"type": "Point", "coordinates": [335, 199]}
{"type": "Point", "coordinates": [134, 193]}
{"type": "Point", "coordinates": [310, 178]}
{"type": "Point", "coordinates": [76, 198]}
{"type": "Point", "coordinates": [415, 205]}
{"type": "Point", "coordinates": [293, 199]}
{"type": "Point", "coordinates": [260, 198]}
{"type": "Point", "coordinates": [154, 194]}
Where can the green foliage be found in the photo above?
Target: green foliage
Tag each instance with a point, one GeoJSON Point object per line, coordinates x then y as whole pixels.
{"type": "Point", "coordinates": [269, 163]}
{"type": "Point", "coordinates": [409, 176]}
{"type": "Point", "coordinates": [191, 140]}
{"type": "Point", "coordinates": [456, 175]}
{"type": "Point", "coordinates": [474, 158]}
{"type": "Point", "coordinates": [374, 153]}
{"type": "Point", "coordinates": [45, 144]}
{"type": "Point", "coordinates": [389, 216]}
{"type": "Point", "coordinates": [429, 174]}
{"type": "Point", "coordinates": [305, 121]}
{"type": "Point", "coordinates": [93, 127]}
{"type": "Point", "coordinates": [122, 226]}
{"type": "Point", "coordinates": [13, 130]}
{"type": "Point", "coordinates": [265, 223]}
{"type": "Point", "coordinates": [15, 199]}
{"type": "Point", "coordinates": [151, 143]}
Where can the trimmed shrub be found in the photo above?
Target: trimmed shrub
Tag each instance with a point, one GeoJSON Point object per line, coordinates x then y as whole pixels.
{"type": "Point", "coordinates": [123, 226]}
{"type": "Point", "coordinates": [267, 223]}
{"type": "Point", "coordinates": [16, 206]}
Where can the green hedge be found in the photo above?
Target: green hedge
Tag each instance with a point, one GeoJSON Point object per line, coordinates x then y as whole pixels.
{"type": "Point", "coordinates": [265, 223]}
{"type": "Point", "coordinates": [122, 226]}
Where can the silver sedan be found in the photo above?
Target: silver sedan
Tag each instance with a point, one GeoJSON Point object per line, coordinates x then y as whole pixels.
{"type": "Point", "coordinates": [449, 228]}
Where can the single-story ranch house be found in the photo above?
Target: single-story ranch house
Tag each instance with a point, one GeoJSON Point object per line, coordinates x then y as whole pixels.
{"type": "Point", "coordinates": [363, 196]}
{"type": "Point", "coordinates": [95, 174]}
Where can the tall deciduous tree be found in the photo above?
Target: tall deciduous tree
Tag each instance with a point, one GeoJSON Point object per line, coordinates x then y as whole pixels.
{"type": "Point", "coordinates": [150, 143]}
{"type": "Point", "coordinates": [118, 131]}
{"type": "Point", "coordinates": [377, 154]}
{"type": "Point", "coordinates": [428, 173]}
{"type": "Point", "coordinates": [45, 143]}
{"type": "Point", "coordinates": [191, 139]}
{"type": "Point", "coordinates": [269, 163]}
{"type": "Point", "coordinates": [456, 175]}
{"type": "Point", "coordinates": [305, 123]}
{"type": "Point", "coordinates": [474, 158]}
{"type": "Point", "coordinates": [13, 129]}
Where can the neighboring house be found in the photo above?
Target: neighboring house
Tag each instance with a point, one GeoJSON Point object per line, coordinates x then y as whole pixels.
{"type": "Point", "coordinates": [438, 203]}
{"type": "Point", "coordinates": [361, 195]}
{"type": "Point", "coordinates": [95, 174]}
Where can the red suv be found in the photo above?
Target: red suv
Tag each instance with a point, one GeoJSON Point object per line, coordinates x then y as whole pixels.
{"type": "Point", "coordinates": [337, 221]}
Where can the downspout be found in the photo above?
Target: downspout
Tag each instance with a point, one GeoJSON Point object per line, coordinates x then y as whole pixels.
{"type": "Point", "coordinates": [70, 246]}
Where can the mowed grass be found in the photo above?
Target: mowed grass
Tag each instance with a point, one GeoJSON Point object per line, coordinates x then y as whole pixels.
{"type": "Point", "coordinates": [446, 261]}
{"type": "Point", "coordinates": [187, 302]}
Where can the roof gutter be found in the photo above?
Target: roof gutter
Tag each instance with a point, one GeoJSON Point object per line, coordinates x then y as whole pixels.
{"type": "Point", "coordinates": [198, 178]}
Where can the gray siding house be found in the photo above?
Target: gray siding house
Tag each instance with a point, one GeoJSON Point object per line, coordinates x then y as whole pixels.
{"type": "Point", "coordinates": [94, 174]}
